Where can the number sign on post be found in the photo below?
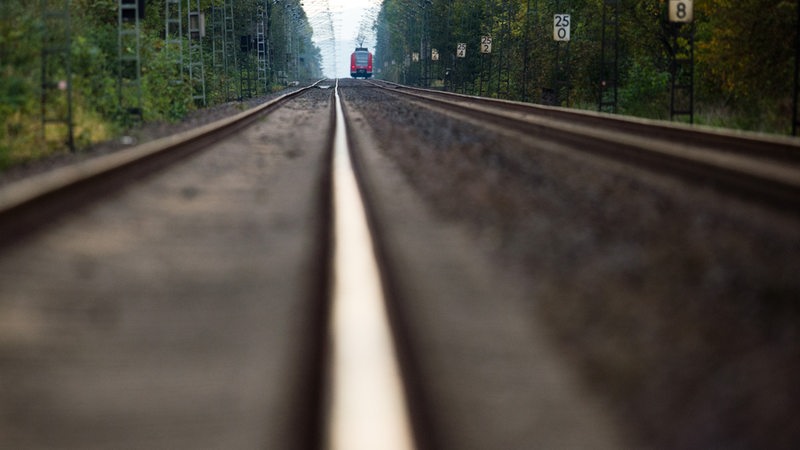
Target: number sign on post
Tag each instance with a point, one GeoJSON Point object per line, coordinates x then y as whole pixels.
{"type": "Point", "coordinates": [434, 54]}
{"type": "Point", "coordinates": [680, 11]}
{"type": "Point", "coordinates": [486, 44]}
{"type": "Point", "coordinates": [461, 50]}
{"type": "Point", "coordinates": [561, 27]}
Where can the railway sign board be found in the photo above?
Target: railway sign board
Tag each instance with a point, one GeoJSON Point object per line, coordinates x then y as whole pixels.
{"type": "Point", "coordinates": [561, 27]}
{"type": "Point", "coordinates": [680, 11]}
{"type": "Point", "coordinates": [486, 44]}
{"type": "Point", "coordinates": [434, 54]}
{"type": "Point", "coordinates": [461, 50]}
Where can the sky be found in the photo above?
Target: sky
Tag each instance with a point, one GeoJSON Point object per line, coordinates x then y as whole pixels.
{"type": "Point", "coordinates": [336, 25]}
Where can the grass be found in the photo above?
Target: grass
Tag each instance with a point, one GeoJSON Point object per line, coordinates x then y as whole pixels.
{"type": "Point", "coordinates": [25, 139]}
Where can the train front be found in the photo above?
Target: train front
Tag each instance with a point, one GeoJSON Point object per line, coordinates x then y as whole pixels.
{"type": "Point", "coordinates": [361, 63]}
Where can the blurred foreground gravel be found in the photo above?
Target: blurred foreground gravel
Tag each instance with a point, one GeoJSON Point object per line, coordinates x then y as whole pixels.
{"type": "Point", "coordinates": [679, 305]}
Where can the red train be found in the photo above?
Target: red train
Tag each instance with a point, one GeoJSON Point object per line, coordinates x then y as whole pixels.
{"type": "Point", "coordinates": [361, 63]}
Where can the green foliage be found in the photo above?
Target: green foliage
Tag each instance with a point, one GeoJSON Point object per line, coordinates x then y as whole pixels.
{"type": "Point", "coordinates": [165, 99]}
{"type": "Point", "coordinates": [92, 69]}
{"type": "Point", "coordinates": [744, 68]}
{"type": "Point", "coordinates": [18, 75]}
{"type": "Point", "coordinates": [15, 100]}
{"type": "Point", "coordinates": [94, 61]}
{"type": "Point", "coordinates": [645, 92]}
{"type": "Point", "coordinates": [15, 94]}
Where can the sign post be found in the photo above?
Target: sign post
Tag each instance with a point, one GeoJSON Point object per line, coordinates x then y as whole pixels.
{"type": "Point", "coordinates": [681, 16]}
{"type": "Point", "coordinates": [609, 58]}
{"type": "Point", "coordinates": [796, 87]}
{"type": "Point", "coordinates": [561, 36]}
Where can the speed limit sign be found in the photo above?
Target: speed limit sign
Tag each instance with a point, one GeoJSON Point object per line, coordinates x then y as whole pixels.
{"type": "Point", "coordinates": [680, 11]}
{"type": "Point", "coordinates": [561, 27]}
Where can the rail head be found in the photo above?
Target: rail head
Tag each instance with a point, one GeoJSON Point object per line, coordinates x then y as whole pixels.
{"type": "Point", "coordinates": [365, 382]}
{"type": "Point", "coordinates": [29, 204]}
{"type": "Point", "coordinates": [783, 148]}
{"type": "Point", "coordinates": [755, 166]}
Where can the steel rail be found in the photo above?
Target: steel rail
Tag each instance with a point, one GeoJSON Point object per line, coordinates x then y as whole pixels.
{"type": "Point", "coordinates": [755, 145]}
{"type": "Point", "coordinates": [773, 176]}
{"type": "Point", "coordinates": [27, 204]}
{"type": "Point", "coordinates": [366, 400]}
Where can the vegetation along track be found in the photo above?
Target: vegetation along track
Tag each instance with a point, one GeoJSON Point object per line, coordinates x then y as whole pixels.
{"type": "Point", "coordinates": [764, 168]}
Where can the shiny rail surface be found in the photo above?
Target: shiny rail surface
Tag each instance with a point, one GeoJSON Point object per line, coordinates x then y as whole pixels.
{"type": "Point", "coordinates": [204, 295]}
{"type": "Point", "coordinates": [367, 408]}
{"type": "Point", "coordinates": [763, 168]}
{"type": "Point", "coordinates": [364, 383]}
{"type": "Point", "coordinates": [755, 145]}
{"type": "Point", "coordinates": [24, 205]}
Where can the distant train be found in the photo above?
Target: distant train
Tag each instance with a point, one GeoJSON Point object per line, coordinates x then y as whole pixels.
{"type": "Point", "coordinates": [361, 63]}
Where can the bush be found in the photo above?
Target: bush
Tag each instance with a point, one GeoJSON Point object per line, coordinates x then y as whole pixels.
{"type": "Point", "coordinates": [167, 94]}
{"type": "Point", "coordinates": [645, 92]}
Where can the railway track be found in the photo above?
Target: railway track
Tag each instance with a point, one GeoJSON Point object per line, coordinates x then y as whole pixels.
{"type": "Point", "coordinates": [366, 385]}
{"type": "Point", "coordinates": [183, 294]}
{"type": "Point", "coordinates": [331, 268]}
{"type": "Point", "coordinates": [762, 168]}
{"type": "Point", "coordinates": [27, 204]}
{"type": "Point", "coordinates": [180, 294]}
{"type": "Point", "coordinates": [646, 280]}
{"type": "Point", "coordinates": [173, 295]}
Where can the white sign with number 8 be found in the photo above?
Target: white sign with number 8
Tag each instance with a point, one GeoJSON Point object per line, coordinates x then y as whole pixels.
{"type": "Point", "coordinates": [561, 27]}
{"type": "Point", "coordinates": [680, 11]}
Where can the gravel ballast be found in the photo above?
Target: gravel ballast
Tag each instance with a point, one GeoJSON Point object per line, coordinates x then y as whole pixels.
{"type": "Point", "coordinates": [677, 303]}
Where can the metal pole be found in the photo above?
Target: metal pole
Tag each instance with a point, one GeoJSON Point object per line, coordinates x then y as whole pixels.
{"type": "Point", "coordinates": [57, 41]}
{"type": "Point", "coordinates": [682, 80]}
{"type": "Point", "coordinates": [129, 58]}
{"type": "Point", "coordinates": [196, 68]}
{"type": "Point", "coordinates": [525, 53]}
{"type": "Point", "coordinates": [609, 70]}
{"type": "Point", "coordinates": [796, 72]}
{"type": "Point", "coordinates": [173, 36]}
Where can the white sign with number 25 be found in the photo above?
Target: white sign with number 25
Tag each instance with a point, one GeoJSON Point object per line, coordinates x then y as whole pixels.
{"type": "Point", "coordinates": [561, 27]}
